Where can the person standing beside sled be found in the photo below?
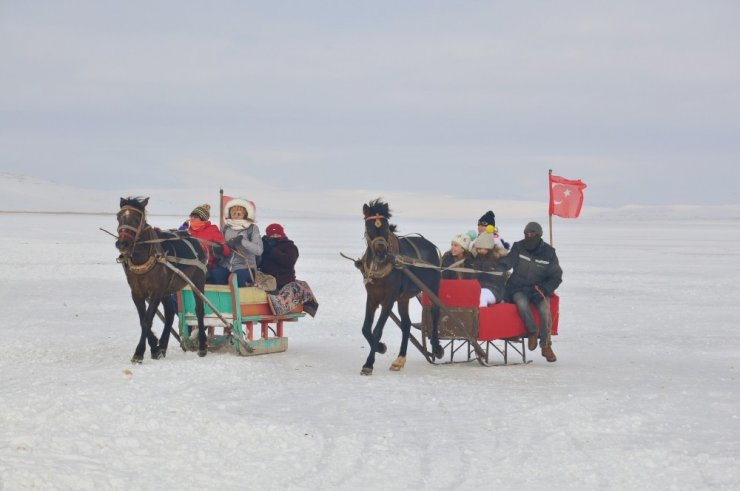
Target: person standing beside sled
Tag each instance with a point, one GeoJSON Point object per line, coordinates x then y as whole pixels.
{"type": "Point", "coordinates": [535, 276]}
{"type": "Point", "coordinates": [243, 238]}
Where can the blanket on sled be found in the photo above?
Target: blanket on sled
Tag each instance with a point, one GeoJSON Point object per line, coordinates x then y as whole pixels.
{"type": "Point", "coordinates": [292, 295]}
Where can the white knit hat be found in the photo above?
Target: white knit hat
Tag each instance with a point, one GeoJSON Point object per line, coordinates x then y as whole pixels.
{"type": "Point", "coordinates": [244, 203]}
{"type": "Point", "coordinates": [462, 240]}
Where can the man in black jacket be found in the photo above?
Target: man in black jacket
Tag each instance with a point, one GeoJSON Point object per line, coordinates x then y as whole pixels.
{"type": "Point", "coordinates": [534, 279]}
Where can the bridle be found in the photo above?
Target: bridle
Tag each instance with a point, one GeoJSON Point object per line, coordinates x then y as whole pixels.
{"type": "Point", "coordinates": [126, 231]}
{"type": "Point", "coordinates": [379, 240]}
{"type": "Point", "coordinates": [373, 267]}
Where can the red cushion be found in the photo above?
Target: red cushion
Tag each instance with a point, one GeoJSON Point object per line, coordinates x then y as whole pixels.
{"type": "Point", "coordinates": [503, 321]}
{"type": "Point", "coordinates": [457, 293]}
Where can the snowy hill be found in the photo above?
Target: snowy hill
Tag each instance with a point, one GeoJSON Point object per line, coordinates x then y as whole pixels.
{"type": "Point", "coordinates": [19, 193]}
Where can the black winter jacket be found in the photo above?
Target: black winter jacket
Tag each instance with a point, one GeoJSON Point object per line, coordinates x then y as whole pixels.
{"type": "Point", "coordinates": [538, 267]}
{"type": "Point", "coordinates": [278, 259]}
{"type": "Point", "coordinates": [448, 260]}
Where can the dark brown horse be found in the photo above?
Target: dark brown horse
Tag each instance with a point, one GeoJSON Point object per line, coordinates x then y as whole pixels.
{"type": "Point", "coordinates": [142, 250]}
{"type": "Point", "coordinates": [386, 284]}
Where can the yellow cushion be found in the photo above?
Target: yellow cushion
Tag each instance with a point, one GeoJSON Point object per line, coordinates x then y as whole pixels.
{"type": "Point", "coordinates": [251, 295]}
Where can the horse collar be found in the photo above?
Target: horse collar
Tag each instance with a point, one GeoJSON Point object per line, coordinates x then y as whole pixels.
{"type": "Point", "coordinates": [129, 265]}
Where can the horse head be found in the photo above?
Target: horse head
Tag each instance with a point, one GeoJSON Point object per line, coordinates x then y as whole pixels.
{"type": "Point", "coordinates": [378, 230]}
{"type": "Point", "coordinates": [131, 223]}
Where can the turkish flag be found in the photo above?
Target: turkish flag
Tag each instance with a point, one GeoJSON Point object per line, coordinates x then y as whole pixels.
{"type": "Point", "coordinates": [566, 196]}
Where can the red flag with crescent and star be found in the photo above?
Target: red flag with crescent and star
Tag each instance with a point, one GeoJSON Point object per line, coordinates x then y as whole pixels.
{"type": "Point", "coordinates": [566, 196]}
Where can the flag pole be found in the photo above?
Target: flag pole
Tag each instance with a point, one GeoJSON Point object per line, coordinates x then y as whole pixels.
{"type": "Point", "coordinates": [549, 184]}
{"type": "Point", "coordinates": [221, 206]}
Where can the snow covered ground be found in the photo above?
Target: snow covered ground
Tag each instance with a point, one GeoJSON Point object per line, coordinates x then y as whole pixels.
{"type": "Point", "coordinates": [644, 395]}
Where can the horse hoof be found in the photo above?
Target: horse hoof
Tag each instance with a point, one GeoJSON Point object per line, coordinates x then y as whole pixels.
{"type": "Point", "coordinates": [202, 352]}
{"type": "Point", "coordinates": [439, 352]}
{"type": "Point", "coordinates": [398, 364]}
{"type": "Point", "coordinates": [366, 371]}
{"type": "Point", "coordinates": [382, 348]}
{"type": "Point", "coordinates": [137, 360]}
{"type": "Point", "coordinates": [157, 355]}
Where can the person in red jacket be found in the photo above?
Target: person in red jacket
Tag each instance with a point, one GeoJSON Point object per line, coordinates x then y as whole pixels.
{"type": "Point", "coordinates": [279, 255]}
{"type": "Point", "coordinates": [210, 237]}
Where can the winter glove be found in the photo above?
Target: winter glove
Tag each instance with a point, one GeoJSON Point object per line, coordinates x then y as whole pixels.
{"type": "Point", "coordinates": [236, 241]}
{"type": "Point", "coordinates": [269, 244]}
{"type": "Point", "coordinates": [218, 250]}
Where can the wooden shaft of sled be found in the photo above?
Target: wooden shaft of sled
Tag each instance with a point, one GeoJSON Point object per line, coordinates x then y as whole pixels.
{"type": "Point", "coordinates": [195, 290]}
{"type": "Point", "coordinates": [434, 298]}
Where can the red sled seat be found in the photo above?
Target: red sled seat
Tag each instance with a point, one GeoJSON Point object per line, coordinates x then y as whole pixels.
{"type": "Point", "coordinates": [500, 321]}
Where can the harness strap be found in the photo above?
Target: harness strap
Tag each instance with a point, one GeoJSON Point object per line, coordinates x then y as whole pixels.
{"type": "Point", "coordinates": [187, 262]}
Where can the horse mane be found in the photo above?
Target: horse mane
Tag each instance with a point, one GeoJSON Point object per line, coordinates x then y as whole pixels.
{"type": "Point", "coordinates": [137, 202]}
{"type": "Point", "coordinates": [379, 207]}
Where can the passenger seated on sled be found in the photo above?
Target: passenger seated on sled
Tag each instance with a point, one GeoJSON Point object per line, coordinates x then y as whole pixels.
{"type": "Point", "coordinates": [459, 256]}
{"type": "Point", "coordinates": [210, 237]}
{"type": "Point", "coordinates": [486, 259]}
{"type": "Point", "coordinates": [535, 276]}
{"type": "Point", "coordinates": [487, 223]}
{"type": "Point", "coordinates": [279, 256]}
{"type": "Point", "coordinates": [243, 238]}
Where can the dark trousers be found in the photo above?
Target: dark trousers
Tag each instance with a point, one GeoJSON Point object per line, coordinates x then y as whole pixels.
{"type": "Point", "coordinates": [220, 276]}
{"type": "Point", "coordinates": [522, 302]}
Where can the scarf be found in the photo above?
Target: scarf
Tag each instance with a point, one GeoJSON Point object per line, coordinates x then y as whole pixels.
{"type": "Point", "coordinates": [238, 224]}
{"type": "Point", "coordinates": [532, 243]}
{"type": "Point", "coordinates": [198, 225]}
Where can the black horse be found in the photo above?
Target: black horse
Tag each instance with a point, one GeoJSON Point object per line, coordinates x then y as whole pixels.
{"type": "Point", "coordinates": [142, 248]}
{"type": "Point", "coordinates": [386, 284]}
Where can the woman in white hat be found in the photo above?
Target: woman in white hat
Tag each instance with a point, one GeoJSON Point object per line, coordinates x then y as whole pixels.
{"type": "Point", "coordinates": [458, 256]}
{"type": "Point", "coordinates": [243, 238]}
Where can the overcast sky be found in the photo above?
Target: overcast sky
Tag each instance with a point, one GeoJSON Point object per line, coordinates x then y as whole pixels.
{"type": "Point", "coordinates": [640, 100]}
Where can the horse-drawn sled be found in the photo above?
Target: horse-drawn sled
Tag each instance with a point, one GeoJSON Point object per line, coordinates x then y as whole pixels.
{"type": "Point", "coordinates": [469, 331]}
{"type": "Point", "coordinates": [454, 328]}
{"type": "Point", "coordinates": [169, 268]}
{"type": "Point", "coordinates": [238, 318]}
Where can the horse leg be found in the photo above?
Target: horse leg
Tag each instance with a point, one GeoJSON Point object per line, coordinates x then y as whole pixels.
{"type": "Point", "coordinates": [170, 307]}
{"type": "Point", "coordinates": [403, 310]}
{"type": "Point", "coordinates": [156, 354]}
{"type": "Point", "coordinates": [376, 345]}
{"type": "Point", "coordinates": [200, 313]}
{"type": "Point", "coordinates": [367, 368]}
{"type": "Point", "coordinates": [141, 347]}
{"type": "Point", "coordinates": [437, 348]}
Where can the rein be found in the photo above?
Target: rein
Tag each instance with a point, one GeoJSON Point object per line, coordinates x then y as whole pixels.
{"type": "Point", "coordinates": [399, 261]}
{"type": "Point", "coordinates": [156, 254]}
